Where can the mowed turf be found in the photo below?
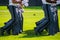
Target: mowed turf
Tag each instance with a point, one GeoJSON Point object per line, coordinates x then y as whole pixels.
{"type": "Point", "coordinates": [31, 15]}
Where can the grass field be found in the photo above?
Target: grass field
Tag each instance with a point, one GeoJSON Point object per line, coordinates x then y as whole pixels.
{"type": "Point", "coordinates": [31, 15]}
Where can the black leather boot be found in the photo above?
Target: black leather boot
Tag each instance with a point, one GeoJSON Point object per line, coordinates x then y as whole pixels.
{"type": "Point", "coordinates": [1, 31]}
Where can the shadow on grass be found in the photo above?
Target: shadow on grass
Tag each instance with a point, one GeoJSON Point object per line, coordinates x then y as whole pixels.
{"type": "Point", "coordinates": [31, 33]}
{"type": "Point", "coordinates": [3, 35]}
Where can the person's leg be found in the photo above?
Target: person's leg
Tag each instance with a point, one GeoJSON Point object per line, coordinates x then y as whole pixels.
{"type": "Point", "coordinates": [11, 12]}
{"type": "Point", "coordinates": [44, 6]}
{"type": "Point", "coordinates": [7, 22]}
{"type": "Point", "coordinates": [53, 20]}
{"type": "Point", "coordinates": [20, 19]}
{"type": "Point", "coordinates": [15, 30]}
{"type": "Point", "coordinates": [56, 19]}
{"type": "Point", "coordinates": [12, 18]}
{"type": "Point", "coordinates": [10, 8]}
{"type": "Point", "coordinates": [8, 25]}
{"type": "Point", "coordinates": [22, 23]}
{"type": "Point", "coordinates": [40, 21]}
{"type": "Point", "coordinates": [1, 31]}
{"type": "Point", "coordinates": [17, 27]}
{"type": "Point", "coordinates": [41, 25]}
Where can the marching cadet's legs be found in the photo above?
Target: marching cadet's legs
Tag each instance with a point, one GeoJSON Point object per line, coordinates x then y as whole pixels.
{"type": "Point", "coordinates": [53, 26]}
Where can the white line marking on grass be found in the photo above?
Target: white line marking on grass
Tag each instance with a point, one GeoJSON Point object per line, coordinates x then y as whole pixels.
{"type": "Point", "coordinates": [4, 11]}
{"type": "Point", "coordinates": [35, 11]}
{"type": "Point", "coordinates": [24, 11]}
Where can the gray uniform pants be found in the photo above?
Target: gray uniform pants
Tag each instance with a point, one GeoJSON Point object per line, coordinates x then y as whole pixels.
{"type": "Point", "coordinates": [15, 23]}
{"type": "Point", "coordinates": [50, 21]}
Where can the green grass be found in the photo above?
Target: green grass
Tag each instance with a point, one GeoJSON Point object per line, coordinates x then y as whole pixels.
{"type": "Point", "coordinates": [29, 24]}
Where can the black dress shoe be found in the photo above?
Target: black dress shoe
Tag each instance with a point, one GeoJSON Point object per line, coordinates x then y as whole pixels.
{"type": "Point", "coordinates": [51, 34]}
{"type": "Point", "coordinates": [20, 31]}
{"type": "Point", "coordinates": [1, 31]}
{"type": "Point", "coordinates": [15, 34]}
{"type": "Point", "coordinates": [5, 23]}
{"type": "Point", "coordinates": [8, 32]}
{"type": "Point", "coordinates": [36, 32]}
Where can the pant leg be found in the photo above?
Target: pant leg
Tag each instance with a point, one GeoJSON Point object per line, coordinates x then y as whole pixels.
{"type": "Point", "coordinates": [10, 7]}
{"type": "Point", "coordinates": [44, 6]}
{"type": "Point", "coordinates": [20, 18]}
{"type": "Point", "coordinates": [11, 22]}
{"type": "Point", "coordinates": [44, 22]}
{"type": "Point", "coordinates": [41, 26]}
{"type": "Point", "coordinates": [53, 20]}
{"type": "Point", "coordinates": [21, 21]}
{"type": "Point", "coordinates": [17, 27]}
{"type": "Point", "coordinates": [8, 25]}
{"type": "Point", "coordinates": [40, 21]}
{"type": "Point", "coordinates": [19, 15]}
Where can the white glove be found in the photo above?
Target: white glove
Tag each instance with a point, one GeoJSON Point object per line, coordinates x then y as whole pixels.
{"type": "Point", "coordinates": [58, 2]}
{"type": "Point", "coordinates": [25, 3]}
{"type": "Point", "coordinates": [17, 0]}
{"type": "Point", "coordinates": [21, 10]}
